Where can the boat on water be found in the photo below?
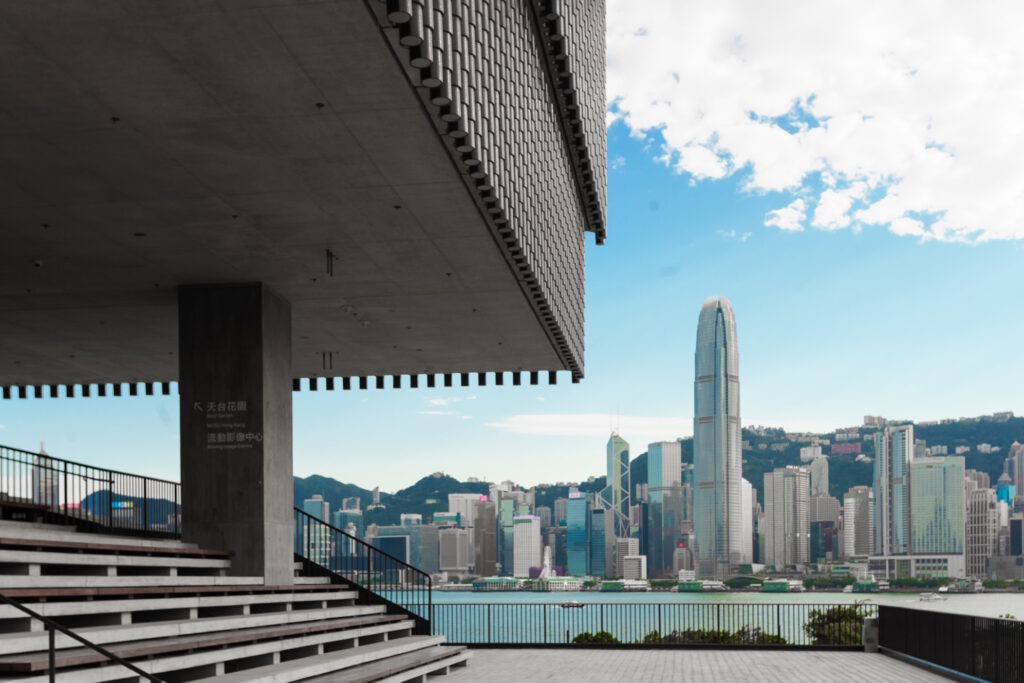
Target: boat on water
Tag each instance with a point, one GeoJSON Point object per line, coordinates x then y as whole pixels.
{"type": "Point", "coordinates": [848, 588]}
{"type": "Point", "coordinates": [572, 604]}
{"type": "Point", "coordinates": [930, 597]}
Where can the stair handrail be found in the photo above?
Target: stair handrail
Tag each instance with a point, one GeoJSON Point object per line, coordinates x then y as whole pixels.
{"type": "Point", "coordinates": [52, 627]}
{"type": "Point", "coordinates": [57, 487]}
{"type": "Point", "coordinates": [363, 560]}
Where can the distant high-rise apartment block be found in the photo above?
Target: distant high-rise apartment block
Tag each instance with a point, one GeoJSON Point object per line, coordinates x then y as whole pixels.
{"type": "Point", "coordinates": [625, 547]}
{"type": "Point", "coordinates": [485, 538]}
{"type": "Point", "coordinates": [937, 505]}
{"type": "Point", "coordinates": [819, 476]}
{"type": "Point", "coordinates": [617, 484]}
{"type": "Point", "coordinates": [526, 545]}
{"type": "Point", "coordinates": [577, 535]}
{"type": "Point", "coordinates": [809, 453]}
{"type": "Point", "coordinates": [544, 512]}
{"type": "Point", "coordinates": [665, 504]}
{"type": "Point", "coordinates": [894, 451]}
{"type": "Point", "coordinates": [316, 506]}
{"type": "Point", "coordinates": [858, 522]}
{"type": "Point", "coordinates": [787, 537]}
{"type": "Point", "coordinates": [982, 530]}
{"type": "Point", "coordinates": [823, 509]}
{"type": "Point", "coordinates": [561, 507]}
{"type": "Point", "coordinates": [410, 519]}
{"type": "Point", "coordinates": [350, 503]}
{"type": "Point", "coordinates": [717, 441]}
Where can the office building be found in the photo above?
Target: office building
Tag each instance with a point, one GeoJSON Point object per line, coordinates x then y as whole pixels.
{"type": "Point", "coordinates": [453, 552]}
{"type": "Point", "coordinates": [858, 522]}
{"type": "Point", "coordinates": [410, 519]}
{"type": "Point", "coordinates": [716, 441]}
{"type": "Point", "coordinates": [819, 476]}
{"type": "Point", "coordinates": [894, 448]}
{"type": "Point", "coordinates": [617, 483]}
{"type": "Point", "coordinates": [506, 544]}
{"type": "Point", "coordinates": [809, 453]}
{"type": "Point", "coordinates": [340, 519]}
{"type": "Point", "coordinates": [526, 545]}
{"type": "Point", "coordinates": [350, 503]}
{"type": "Point", "coordinates": [1005, 490]}
{"type": "Point", "coordinates": [665, 504]}
{"type": "Point", "coordinates": [577, 535]}
{"type": "Point", "coordinates": [787, 537]}
{"type": "Point", "coordinates": [634, 567]}
{"type": "Point", "coordinates": [485, 546]}
{"type": "Point", "coordinates": [624, 547]}
{"type": "Point", "coordinates": [937, 505]}
{"type": "Point", "coordinates": [316, 506]}
{"type": "Point", "coordinates": [544, 512]}
{"type": "Point", "coordinates": [422, 543]}
{"type": "Point", "coordinates": [602, 543]}
{"type": "Point", "coordinates": [982, 530]}
{"type": "Point", "coordinates": [561, 506]}
{"type": "Point", "coordinates": [824, 541]}
{"type": "Point", "coordinates": [747, 528]}
{"type": "Point", "coordinates": [823, 509]}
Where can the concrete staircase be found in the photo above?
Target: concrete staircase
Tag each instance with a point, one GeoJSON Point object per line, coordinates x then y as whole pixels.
{"type": "Point", "coordinates": [172, 610]}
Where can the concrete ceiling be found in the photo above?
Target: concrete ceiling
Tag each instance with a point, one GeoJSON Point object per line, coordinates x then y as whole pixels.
{"type": "Point", "coordinates": [149, 144]}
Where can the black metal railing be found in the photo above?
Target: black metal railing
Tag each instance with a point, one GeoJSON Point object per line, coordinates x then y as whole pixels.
{"type": "Point", "coordinates": [632, 624]}
{"type": "Point", "coordinates": [983, 647]}
{"type": "Point", "coordinates": [380, 577]}
{"type": "Point", "coordinates": [41, 485]}
{"type": "Point", "coordinates": [52, 628]}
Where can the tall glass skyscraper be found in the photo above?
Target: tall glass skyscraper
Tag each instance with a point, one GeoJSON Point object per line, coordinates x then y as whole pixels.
{"type": "Point", "coordinates": [665, 504]}
{"type": "Point", "coordinates": [616, 492]}
{"type": "Point", "coordinates": [894, 450]}
{"type": "Point", "coordinates": [716, 440]}
{"type": "Point", "coordinates": [937, 505]}
{"type": "Point", "coordinates": [577, 534]}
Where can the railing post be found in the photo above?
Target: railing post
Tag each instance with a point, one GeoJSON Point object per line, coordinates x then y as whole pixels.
{"type": "Point", "coordinates": [602, 616]}
{"type": "Point", "coordinates": [53, 654]}
{"type": "Point", "coordinates": [145, 505]}
{"type": "Point", "coordinates": [110, 499]}
{"type": "Point", "coordinates": [488, 624]}
{"type": "Point", "coordinates": [660, 633]}
{"type": "Point", "coordinates": [778, 621]}
{"type": "Point", "coordinates": [544, 609]}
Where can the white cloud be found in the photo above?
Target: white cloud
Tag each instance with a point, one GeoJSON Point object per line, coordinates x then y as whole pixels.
{"type": "Point", "coordinates": [908, 113]}
{"type": "Point", "coordinates": [637, 428]}
{"type": "Point", "coordinates": [789, 218]}
{"type": "Point", "coordinates": [438, 412]}
{"type": "Point", "coordinates": [733, 235]}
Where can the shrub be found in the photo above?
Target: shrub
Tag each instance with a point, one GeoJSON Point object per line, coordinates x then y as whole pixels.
{"type": "Point", "coordinates": [599, 638]}
{"type": "Point", "coordinates": [840, 625]}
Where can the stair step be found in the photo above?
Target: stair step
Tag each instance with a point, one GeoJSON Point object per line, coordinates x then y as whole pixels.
{"type": "Point", "coordinates": [401, 667]}
{"type": "Point", "coordinates": [124, 546]}
{"type": "Point", "coordinates": [25, 530]}
{"type": "Point", "coordinates": [59, 581]}
{"type": "Point", "coordinates": [79, 656]}
{"type": "Point", "coordinates": [312, 580]}
{"type": "Point", "coordinates": [112, 591]}
{"type": "Point", "coordinates": [17, 643]}
{"type": "Point", "coordinates": [308, 667]}
{"type": "Point", "coordinates": [50, 557]}
{"type": "Point", "coordinates": [150, 603]}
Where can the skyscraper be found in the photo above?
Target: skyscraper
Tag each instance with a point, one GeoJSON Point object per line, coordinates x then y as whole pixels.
{"type": "Point", "coordinates": [602, 540]}
{"type": "Point", "coordinates": [577, 535]}
{"type": "Point", "coordinates": [937, 505]}
{"type": "Point", "coordinates": [982, 530]}
{"type": "Point", "coordinates": [665, 504]}
{"type": "Point", "coordinates": [858, 521]}
{"type": "Point", "coordinates": [717, 440]}
{"type": "Point", "coordinates": [527, 548]}
{"type": "Point", "coordinates": [485, 547]}
{"type": "Point", "coordinates": [787, 537]}
{"type": "Point", "coordinates": [747, 528]}
{"type": "Point", "coordinates": [617, 488]}
{"type": "Point", "coordinates": [894, 450]}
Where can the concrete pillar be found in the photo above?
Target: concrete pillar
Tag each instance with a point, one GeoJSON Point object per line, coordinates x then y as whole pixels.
{"type": "Point", "coordinates": [235, 388]}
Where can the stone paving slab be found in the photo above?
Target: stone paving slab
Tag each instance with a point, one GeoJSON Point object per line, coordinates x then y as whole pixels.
{"type": "Point", "coordinates": [697, 666]}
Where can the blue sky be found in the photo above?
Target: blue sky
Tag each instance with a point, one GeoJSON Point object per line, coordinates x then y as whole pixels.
{"type": "Point", "coordinates": [832, 325]}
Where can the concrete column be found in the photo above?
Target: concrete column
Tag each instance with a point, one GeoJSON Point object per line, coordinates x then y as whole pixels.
{"type": "Point", "coordinates": [235, 387]}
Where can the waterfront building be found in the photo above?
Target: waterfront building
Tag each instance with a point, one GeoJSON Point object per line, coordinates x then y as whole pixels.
{"type": "Point", "coordinates": [982, 530]}
{"type": "Point", "coordinates": [527, 552]}
{"type": "Point", "coordinates": [918, 566]}
{"type": "Point", "coordinates": [617, 486]}
{"type": "Point", "coordinates": [937, 505]}
{"type": "Point", "coordinates": [747, 528]}
{"type": "Point", "coordinates": [634, 567]}
{"type": "Point", "coordinates": [819, 476]}
{"type": "Point", "coordinates": [410, 519]}
{"type": "Point", "coordinates": [453, 553]}
{"type": "Point", "coordinates": [485, 547]}
{"type": "Point", "coordinates": [623, 548]}
{"type": "Point", "coordinates": [665, 503]}
{"type": "Point", "coordinates": [602, 540]}
{"type": "Point", "coordinates": [577, 535]}
{"type": "Point", "coordinates": [894, 448]}
{"type": "Point", "coordinates": [787, 537]}
{"type": "Point", "coordinates": [422, 543]}
{"type": "Point", "coordinates": [858, 522]}
{"type": "Point", "coordinates": [716, 441]}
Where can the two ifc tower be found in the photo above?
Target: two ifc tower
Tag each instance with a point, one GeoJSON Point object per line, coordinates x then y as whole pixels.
{"type": "Point", "coordinates": [717, 507]}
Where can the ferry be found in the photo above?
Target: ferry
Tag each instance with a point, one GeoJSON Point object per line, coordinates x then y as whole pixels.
{"type": "Point", "coordinates": [701, 587]}
{"type": "Point", "coordinates": [782, 586]}
{"type": "Point", "coordinates": [930, 597]}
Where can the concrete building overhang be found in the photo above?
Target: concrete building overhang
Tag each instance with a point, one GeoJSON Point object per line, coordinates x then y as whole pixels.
{"type": "Point", "coordinates": [417, 221]}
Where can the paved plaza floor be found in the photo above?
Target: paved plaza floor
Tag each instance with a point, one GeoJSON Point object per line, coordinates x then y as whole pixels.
{"type": "Point", "coordinates": [711, 666]}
